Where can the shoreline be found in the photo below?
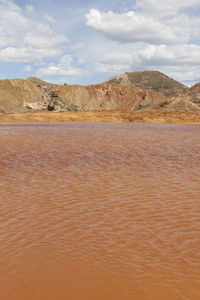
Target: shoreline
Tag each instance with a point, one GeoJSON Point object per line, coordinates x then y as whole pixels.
{"type": "Point", "coordinates": [101, 117]}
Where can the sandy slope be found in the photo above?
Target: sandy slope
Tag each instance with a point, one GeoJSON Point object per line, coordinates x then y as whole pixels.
{"type": "Point", "coordinates": [101, 117]}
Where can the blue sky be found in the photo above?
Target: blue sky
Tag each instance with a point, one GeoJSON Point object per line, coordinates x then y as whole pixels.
{"type": "Point", "coordinates": [86, 42]}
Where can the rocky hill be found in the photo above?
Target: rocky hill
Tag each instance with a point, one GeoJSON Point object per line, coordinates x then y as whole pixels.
{"type": "Point", "coordinates": [35, 95]}
{"type": "Point", "coordinates": [15, 93]}
{"type": "Point", "coordinates": [20, 95]}
{"type": "Point", "coordinates": [149, 80]}
{"type": "Point", "coordinates": [40, 83]}
{"type": "Point", "coordinates": [193, 94]}
{"type": "Point", "coordinates": [187, 101]}
{"type": "Point", "coordinates": [109, 97]}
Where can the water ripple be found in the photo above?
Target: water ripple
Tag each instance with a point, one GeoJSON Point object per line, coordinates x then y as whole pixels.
{"type": "Point", "coordinates": [99, 211]}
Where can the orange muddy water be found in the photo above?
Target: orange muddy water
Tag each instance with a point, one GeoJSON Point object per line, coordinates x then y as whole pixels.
{"type": "Point", "coordinates": [99, 212]}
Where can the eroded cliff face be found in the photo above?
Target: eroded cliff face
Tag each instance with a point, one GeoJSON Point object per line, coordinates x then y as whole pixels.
{"type": "Point", "coordinates": [18, 95]}
{"type": "Point", "coordinates": [188, 101]}
{"type": "Point", "coordinates": [194, 94]}
{"type": "Point", "coordinates": [109, 97]}
{"type": "Point", "coordinates": [181, 104]}
{"type": "Point", "coordinates": [15, 93]}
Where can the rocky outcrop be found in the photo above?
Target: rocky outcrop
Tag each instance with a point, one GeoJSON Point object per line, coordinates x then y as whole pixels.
{"type": "Point", "coordinates": [149, 80]}
{"type": "Point", "coordinates": [193, 94]}
{"type": "Point", "coordinates": [179, 104]}
{"type": "Point", "coordinates": [33, 95]}
{"type": "Point", "coordinates": [18, 95]}
{"type": "Point", "coordinates": [15, 93]}
{"type": "Point", "coordinates": [188, 101]}
{"type": "Point", "coordinates": [109, 97]}
{"type": "Point", "coordinates": [56, 103]}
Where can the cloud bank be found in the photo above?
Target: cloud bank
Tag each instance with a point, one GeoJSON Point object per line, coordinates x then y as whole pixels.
{"type": "Point", "coordinates": [71, 41]}
{"type": "Point", "coordinates": [24, 39]}
{"type": "Point", "coordinates": [155, 35]}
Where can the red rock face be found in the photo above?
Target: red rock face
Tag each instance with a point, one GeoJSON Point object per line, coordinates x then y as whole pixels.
{"type": "Point", "coordinates": [109, 97]}
{"type": "Point", "coordinates": [19, 95]}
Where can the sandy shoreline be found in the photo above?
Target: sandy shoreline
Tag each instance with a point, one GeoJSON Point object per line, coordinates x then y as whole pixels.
{"type": "Point", "coordinates": [101, 117]}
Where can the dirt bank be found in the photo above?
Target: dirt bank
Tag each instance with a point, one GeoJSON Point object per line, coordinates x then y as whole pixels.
{"type": "Point", "coordinates": [101, 117]}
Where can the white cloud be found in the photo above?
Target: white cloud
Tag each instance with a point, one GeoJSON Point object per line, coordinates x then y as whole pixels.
{"type": "Point", "coordinates": [136, 35]}
{"type": "Point", "coordinates": [136, 27]}
{"type": "Point", "coordinates": [26, 54]}
{"type": "Point", "coordinates": [27, 68]}
{"type": "Point", "coordinates": [12, 23]}
{"type": "Point", "coordinates": [179, 61]}
{"type": "Point", "coordinates": [29, 8]}
{"type": "Point", "coordinates": [156, 35]}
{"type": "Point", "coordinates": [167, 8]}
{"type": "Point", "coordinates": [63, 68]}
{"type": "Point", "coordinates": [131, 27]}
{"type": "Point", "coordinates": [148, 56]}
{"type": "Point", "coordinates": [49, 18]}
{"type": "Point", "coordinates": [81, 61]}
{"type": "Point", "coordinates": [34, 40]}
{"type": "Point", "coordinates": [78, 46]}
{"type": "Point", "coordinates": [25, 39]}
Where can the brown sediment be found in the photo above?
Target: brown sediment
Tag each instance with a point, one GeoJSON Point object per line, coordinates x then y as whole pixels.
{"type": "Point", "coordinates": [101, 117]}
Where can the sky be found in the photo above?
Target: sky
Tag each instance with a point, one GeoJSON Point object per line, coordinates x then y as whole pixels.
{"type": "Point", "coordinates": [87, 42]}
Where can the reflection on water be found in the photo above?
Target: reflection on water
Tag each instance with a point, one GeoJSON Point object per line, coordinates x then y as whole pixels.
{"type": "Point", "coordinates": [99, 212]}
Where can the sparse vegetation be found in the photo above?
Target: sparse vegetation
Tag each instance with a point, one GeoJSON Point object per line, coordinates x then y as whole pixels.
{"type": "Point", "coordinates": [19, 95]}
{"type": "Point", "coordinates": [140, 107]}
{"type": "Point", "coordinates": [164, 104]}
{"type": "Point", "coordinates": [150, 80]}
{"type": "Point", "coordinates": [38, 82]}
{"type": "Point", "coordinates": [156, 81]}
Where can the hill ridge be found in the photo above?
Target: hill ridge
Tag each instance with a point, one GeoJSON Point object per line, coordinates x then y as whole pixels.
{"type": "Point", "coordinates": [149, 80]}
{"type": "Point", "coordinates": [34, 95]}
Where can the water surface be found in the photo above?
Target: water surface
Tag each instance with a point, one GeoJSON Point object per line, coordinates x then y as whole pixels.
{"type": "Point", "coordinates": [99, 212]}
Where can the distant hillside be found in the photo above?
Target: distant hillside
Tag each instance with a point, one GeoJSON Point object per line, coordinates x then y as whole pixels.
{"type": "Point", "coordinates": [39, 82]}
{"type": "Point", "coordinates": [187, 101]}
{"type": "Point", "coordinates": [14, 93]}
{"type": "Point", "coordinates": [149, 80]}
{"type": "Point", "coordinates": [34, 95]}
{"type": "Point", "coordinates": [193, 93]}
{"type": "Point", "coordinates": [110, 97]}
